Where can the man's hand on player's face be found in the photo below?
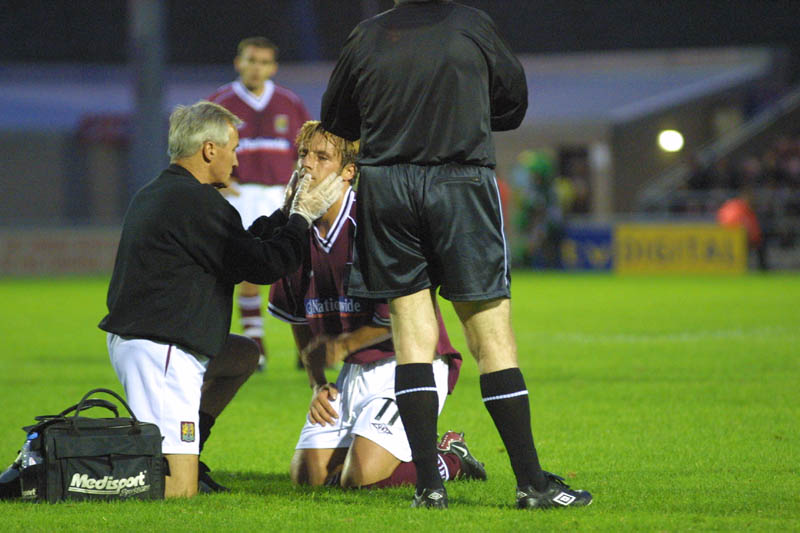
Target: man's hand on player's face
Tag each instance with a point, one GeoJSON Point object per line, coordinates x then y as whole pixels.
{"type": "Point", "coordinates": [321, 411]}
{"type": "Point", "coordinates": [312, 201]}
{"type": "Point", "coordinates": [291, 189]}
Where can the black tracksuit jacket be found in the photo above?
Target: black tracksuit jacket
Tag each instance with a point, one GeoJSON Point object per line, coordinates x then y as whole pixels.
{"type": "Point", "coordinates": [425, 83]}
{"type": "Point", "coordinates": [182, 250]}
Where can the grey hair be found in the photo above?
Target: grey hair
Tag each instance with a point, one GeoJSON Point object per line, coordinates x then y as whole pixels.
{"type": "Point", "coordinates": [191, 126]}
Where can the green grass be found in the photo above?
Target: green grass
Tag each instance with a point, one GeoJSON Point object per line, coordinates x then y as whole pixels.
{"type": "Point", "coordinates": [673, 399]}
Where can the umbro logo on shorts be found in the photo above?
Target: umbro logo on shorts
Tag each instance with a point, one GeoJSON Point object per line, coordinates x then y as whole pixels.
{"type": "Point", "coordinates": [383, 428]}
{"type": "Point", "coordinates": [436, 496]}
{"type": "Point", "coordinates": [187, 431]}
{"type": "Point", "coordinates": [564, 499]}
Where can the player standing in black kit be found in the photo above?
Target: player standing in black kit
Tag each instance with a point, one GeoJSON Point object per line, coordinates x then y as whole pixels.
{"type": "Point", "coordinates": [423, 85]}
{"type": "Point", "coordinates": [182, 250]}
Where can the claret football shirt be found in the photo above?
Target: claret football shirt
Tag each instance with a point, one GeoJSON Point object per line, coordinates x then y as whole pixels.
{"type": "Point", "coordinates": [316, 294]}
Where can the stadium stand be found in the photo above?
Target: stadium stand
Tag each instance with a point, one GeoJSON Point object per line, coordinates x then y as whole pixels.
{"type": "Point", "coordinates": [760, 159]}
{"type": "Point", "coordinates": [596, 113]}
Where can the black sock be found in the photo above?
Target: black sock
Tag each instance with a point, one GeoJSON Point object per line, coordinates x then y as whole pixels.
{"type": "Point", "coordinates": [418, 404]}
{"type": "Point", "coordinates": [506, 398]}
{"type": "Point", "coordinates": [205, 423]}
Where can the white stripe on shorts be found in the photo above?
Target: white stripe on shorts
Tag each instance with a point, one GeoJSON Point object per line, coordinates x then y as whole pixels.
{"type": "Point", "coordinates": [504, 396]}
{"type": "Point", "coordinates": [418, 389]}
{"type": "Point", "coordinates": [502, 233]}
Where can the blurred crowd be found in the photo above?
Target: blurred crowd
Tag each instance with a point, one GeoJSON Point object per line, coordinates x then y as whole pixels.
{"type": "Point", "coordinates": [760, 191]}
{"type": "Point", "coordinates": [768, 183]}
{"type": "Point", "coordinates": [777, 167]}
{"type": "Point", "coordinates": [541, 199]}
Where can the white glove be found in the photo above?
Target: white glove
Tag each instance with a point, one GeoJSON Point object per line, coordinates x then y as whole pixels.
{"type": "Point", "coordinates": [291, 190]}
{"type": "Point", "coordinates": [313, 203]}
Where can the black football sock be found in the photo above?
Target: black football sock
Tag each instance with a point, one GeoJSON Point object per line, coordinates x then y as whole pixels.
{"type": "Point", "coordinates": [205, 423]}
{"type": "Point", "coordinates": [506, 398]}
{"type": "Point", "coordinates": [418, 404]}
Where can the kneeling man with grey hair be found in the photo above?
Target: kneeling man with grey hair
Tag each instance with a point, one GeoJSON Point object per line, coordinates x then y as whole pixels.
{"type": "Point", "coordinates": [182, 251]}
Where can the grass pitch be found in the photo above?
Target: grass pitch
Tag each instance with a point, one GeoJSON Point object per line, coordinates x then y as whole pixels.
{"type": "Point", "coordinates": [674, 400]}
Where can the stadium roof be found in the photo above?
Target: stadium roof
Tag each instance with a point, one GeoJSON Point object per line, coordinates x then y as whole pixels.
{"type": "Point", "coordinates": [599, 88]}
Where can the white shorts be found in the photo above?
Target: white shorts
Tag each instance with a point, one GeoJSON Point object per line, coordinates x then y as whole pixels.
{"type": "Point", "coordinates": [256, 200]}
{"type": "Point", "coordinates": [162, 383]}
{"type": "Point", "coordinates": [366, 407]}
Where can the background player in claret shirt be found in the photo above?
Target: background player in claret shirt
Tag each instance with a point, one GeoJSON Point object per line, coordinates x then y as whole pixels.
{"type": "Point", "coordinates": [272, 116]}
{"type": "Point", "coordinates": [353, 435]}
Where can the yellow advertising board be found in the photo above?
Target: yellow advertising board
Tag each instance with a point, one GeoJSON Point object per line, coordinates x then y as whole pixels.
{"type": "Point", "coordinates": [679, 248]}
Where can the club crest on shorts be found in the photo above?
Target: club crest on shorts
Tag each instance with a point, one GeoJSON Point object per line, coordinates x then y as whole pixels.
{"type": "Point", "coordinates": [281, 123]}
{"type": "Point", "coordinates": [187, 431]}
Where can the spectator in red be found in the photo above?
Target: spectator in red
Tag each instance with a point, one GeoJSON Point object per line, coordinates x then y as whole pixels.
{"type": "Point", "coordinates": [737, 212]}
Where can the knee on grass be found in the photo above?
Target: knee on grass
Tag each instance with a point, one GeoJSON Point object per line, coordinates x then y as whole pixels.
{"type": "Point", "coordinates": [312, 469]}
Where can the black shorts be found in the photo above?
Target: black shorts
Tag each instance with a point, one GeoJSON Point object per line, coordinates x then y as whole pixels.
{"type": "Point", "coordinates": [429, 226]}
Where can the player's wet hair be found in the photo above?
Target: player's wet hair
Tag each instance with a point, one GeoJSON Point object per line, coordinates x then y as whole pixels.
{"type": "Point", "coordinates": [191, 126]}
{"type": "Point", "coordinates": [348, 150]}
{"type": "Point", "coordinates": [258, 42]}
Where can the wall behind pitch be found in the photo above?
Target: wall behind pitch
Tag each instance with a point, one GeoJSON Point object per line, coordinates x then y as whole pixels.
{"type": "Point", "coordinates": [58, 251]}
{"type": "Point", "coordinates": [32, 175]}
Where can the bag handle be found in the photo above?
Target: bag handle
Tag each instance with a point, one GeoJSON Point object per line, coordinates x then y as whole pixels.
{"type": "Point", "coordinates": [87, 403]}
{"type": "Point", "coordinates": [84, 404]}
{"type": "Point", "coordinates": [93, 402]}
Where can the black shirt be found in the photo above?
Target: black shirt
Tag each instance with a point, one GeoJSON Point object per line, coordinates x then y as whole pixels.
{"type": "Point", "coordinates": [182, 250]}
{"type": "Point", "coordinates": [425, 83]}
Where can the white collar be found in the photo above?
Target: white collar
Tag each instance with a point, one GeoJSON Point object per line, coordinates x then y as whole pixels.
{"type": "Point", "coordinates": [344, 211]}
{"type": "Point", "coordinates": [257, 103]}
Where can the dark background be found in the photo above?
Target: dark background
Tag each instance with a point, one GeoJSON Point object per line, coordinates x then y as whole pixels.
{"type": "Point", "coordinates": [207, 32]}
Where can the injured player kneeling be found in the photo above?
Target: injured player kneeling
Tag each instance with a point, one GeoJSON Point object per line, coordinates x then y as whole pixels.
{"type": "Point", "coordinates": [353, 435]}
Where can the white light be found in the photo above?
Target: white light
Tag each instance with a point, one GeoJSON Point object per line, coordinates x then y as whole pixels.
{"type": "Point", "coordinates": [670, 140]}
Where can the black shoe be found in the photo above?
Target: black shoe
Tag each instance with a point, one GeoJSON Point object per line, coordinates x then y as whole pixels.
{"type": "Point", "coordinates": [471, 468]}
{"type": "Point", "coordinates": [556, 495]}
{"type": "Point", "coordinates": [430, 498]}
{"type": "Point", "coordinates": [204, 482]}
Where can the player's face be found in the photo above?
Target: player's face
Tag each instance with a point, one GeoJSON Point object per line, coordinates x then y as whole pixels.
{"type": "Point", "coordinates": [319, 159]}
{"type": "Point", "coordinates": [224, 160]}
{"type": "Point", "coordinates": [255, 66]}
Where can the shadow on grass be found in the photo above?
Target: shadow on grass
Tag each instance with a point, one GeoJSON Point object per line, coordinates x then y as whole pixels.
{"type": "Point", "coordinates": [252, 482]}
{"type": "Point", "coordinates": [271, 484]}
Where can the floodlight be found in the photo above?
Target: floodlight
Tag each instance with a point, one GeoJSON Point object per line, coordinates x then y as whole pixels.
{"type": "Point", "coordinates": [670, 140]}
